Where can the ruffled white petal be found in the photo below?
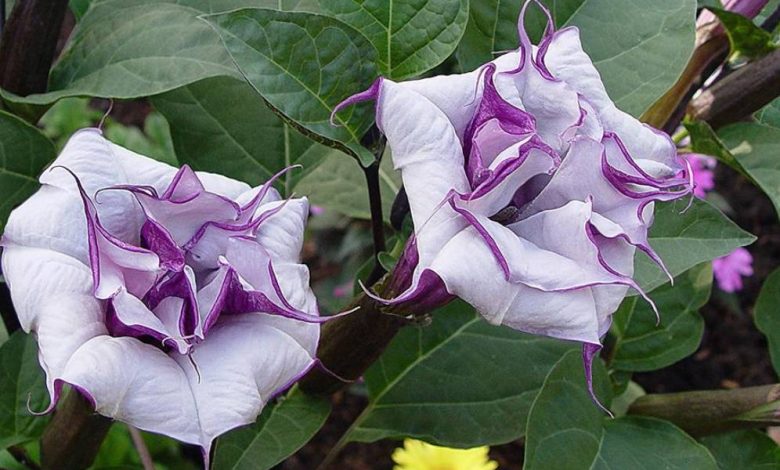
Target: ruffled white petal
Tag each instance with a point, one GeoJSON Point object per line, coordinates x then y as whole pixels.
{"type": "Point", "coordinates": [52, 295]}
{"type": "Point", "coordinates": [245, 361]}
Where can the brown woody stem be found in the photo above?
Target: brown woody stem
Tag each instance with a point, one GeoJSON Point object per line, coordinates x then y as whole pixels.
{"type": "Point", "coordinates": [740, 94]}
{"type": "Point", "coordinates": [714, 411]}
{"type": "Point", "coordinates": [28, 44]}
{"type": "Point", "coordinates": [73, 438]}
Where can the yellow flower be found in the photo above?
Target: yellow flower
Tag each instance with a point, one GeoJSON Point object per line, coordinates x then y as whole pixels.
{"type": "Point", "coordinates": [418, 455]}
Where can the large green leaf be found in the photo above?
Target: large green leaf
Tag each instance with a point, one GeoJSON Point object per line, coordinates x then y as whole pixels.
{"type": "Point", "coordinates": [640, 344]}
{"type": "Point", "coordinates": [339, 184]}
{"type": "Point", "coordinates": [459, 382]}
{"type": "Point", "coordinates": [410, 36]}
{"type": "Point", "coordinates": [282, 428]}
{"type": "Point", "coordinates": [639, 49]}
{"type": "Point", "coordinates": [304, 65]}
{"type": "Point", "coordinates": [769, 115]}
{"type": "Point", "coordinates": [567, 431]}
{"type": "Point", "coordinates": [22, 388]}
{"type": "Point", "coordinates": [134, 48]}
{"type": "Point", "coordinates": [492, 27]}
{"type": "Point", "coordinates": [756, 147]}
{"type": "Point", "coordinates": [767, 316]}
{"type": "Point", "coordinates": [744, 450]}
{"type": "Point", "coordinates": [222, 125]}
{"type": "Point", "coordinates": [23, 155]}
{"type": "Point", "coordinates": [683, 240]}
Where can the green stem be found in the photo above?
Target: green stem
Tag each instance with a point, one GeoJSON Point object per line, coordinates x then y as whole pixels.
{"type": "Point", "coordinates": [714, 411]}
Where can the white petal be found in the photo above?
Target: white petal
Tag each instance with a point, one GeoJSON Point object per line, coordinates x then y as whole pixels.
{"type": "Point", "coordinates": [52, 218]}
{"type": "Point", "coordinates": [282, 233]}
{"type": "Point", "coordinates": [427, 151]}
{"type": "Point", "coordinates": [567, 61]}
{"type": "Point", "coordinates": [566, 315]}
{"type": "Point", "coordinates": [138, 384]}
{"type": "Point", "coordinates": [243, 363]}
{"type": "Point", "coordinates": [52, 294]}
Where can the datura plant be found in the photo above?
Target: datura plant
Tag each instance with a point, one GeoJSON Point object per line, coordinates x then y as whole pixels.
{"type": "Point", "coordinates": [524, 200]}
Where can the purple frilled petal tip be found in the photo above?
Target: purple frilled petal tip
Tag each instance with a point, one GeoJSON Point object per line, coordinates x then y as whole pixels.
{"type": "Point", "coordinates": [174, 300]}
{"type": "Point", "coordinates": [529, 190]}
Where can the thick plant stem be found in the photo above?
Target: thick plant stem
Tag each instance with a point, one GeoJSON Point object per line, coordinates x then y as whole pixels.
{"type": "Point", "coordinates": [377, 220]}
{"type": "Point", "coordinates": [739, 94]}
{"type": "Point", "coordinates": [350, 344]}
{"type": "Point", "coordinates": [74, 435]}
{"type": "Point", "coordinates": [28, 44]}
{"type": "Point", "coordinates": [714, 411]}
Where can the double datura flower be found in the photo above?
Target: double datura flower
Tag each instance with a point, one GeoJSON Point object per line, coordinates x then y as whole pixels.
{"type": "Point", "coordinates": [530, 191]}
{"type": "Point", "coordinates": [173, 300]}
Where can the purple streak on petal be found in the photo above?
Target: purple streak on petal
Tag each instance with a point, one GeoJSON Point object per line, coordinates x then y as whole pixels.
{"type": "Point", "coordinates": [512, 120]}
{"type": "Point", "coordinates": [426, 295]}
{"type": "Point", "coordinates": [242, 300]}
{"type": "Point", "coordinates": [157, 239]}
{"type": "Point", "coordinates": [591, 231]}
{"type": "Point", "coordinates": [589, 352]}
{"type": "Point", "coordinates": [117, 328]}
{"type": "Point", "coordinates": [491, 243]}
{"type": "Point", "coordinates": [372, 93]}
{"type": "Point", "coordinates": [96, 234]}
{"type": "Point", "coordinates": [176, 284]}
{"type": "Point", "coordinates": [730, 269]}
{"type": "Point", "coordinates": [248, 209]}
{"type": "Point", "coordinates": [509, 166]}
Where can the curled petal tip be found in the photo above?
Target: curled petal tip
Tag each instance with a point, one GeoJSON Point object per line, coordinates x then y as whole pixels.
{"type": "Point", "coordinates": [372, 93]}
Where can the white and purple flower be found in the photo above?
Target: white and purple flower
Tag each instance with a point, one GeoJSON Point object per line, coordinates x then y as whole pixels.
{"type": "Point", "coordinates": [175, 301]}
{"type": "Point", "coordinates": [529, 190]}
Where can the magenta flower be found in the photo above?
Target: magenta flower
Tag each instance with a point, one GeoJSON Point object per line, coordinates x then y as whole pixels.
{"type": "Point", "coordinates": [730, 269]}
{"type": "Point", "coordinates": [173, 300]}
{"type": "Point", "coordinates": [529, 190]}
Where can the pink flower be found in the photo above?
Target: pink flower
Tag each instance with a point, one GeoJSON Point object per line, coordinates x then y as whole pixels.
{"type": "Point", "coordinates": [703, 175]}
{"type": "Point", "coordinates": [746, 8]}
{"type": "Point", "coordinates": [730, 269]}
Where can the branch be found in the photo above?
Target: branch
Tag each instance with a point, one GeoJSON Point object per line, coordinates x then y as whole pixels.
{"type": "Point", "coordinates": [375, 141]}
{"type": "Point", "coordinates": [350, 344]}
{"type": "Point", "coordinates": [714, 411]}
{"type": "Point", "coordinates": [28, 44]}
{"type": "Point", "coordinates": [740, 94]}
{"type": "Point", "coordinates": [73, 437]}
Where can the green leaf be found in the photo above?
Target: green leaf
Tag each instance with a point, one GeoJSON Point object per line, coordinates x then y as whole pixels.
{"type": "Point", "coordinates": [704, 140]}
{"type": "Point", "coordinates": [22, 383]}
{"type": "Point", "coordinates": [339, 184]}
{"type": "Point", "coordinates": [756, 147]}
{"type": "Point", "coordinates": [567, 431]}
{"type": "Point", "coordinates": [3, 333]}
{"type": "Point", "coordinates": [640, 344]}
{"type": "Point", "coordinates": [222, 125]}
{"type": "Point", "coordinates": [492, 27]}
{"type": "Point", "coordinates": [745, 450]}
{"type": "Point", "coordinates": [135, 48]}
{"type": "Point", "coordinates": [459, 382]}
{"type": "Point", "coordinates": [769, 115]}
{"type": "Point", "coordinates": [639, 51]}
{"type": "Point", "coordinates": [303, 65]}
{"type": "Point", "coordinates": [410, 36]}
{"type": "Point", "coordinates": [282, 428]}
{"type": "Point", "coordinates": [24, 153]}
{"type": "Point", "coordinates": [746, 38]}
{"type": "Point", "coordinates": [767, 316]}
{"type": "Point", "coordinates": [154, 141]}
{"type": "Point", "coordinates": [683, 240]}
